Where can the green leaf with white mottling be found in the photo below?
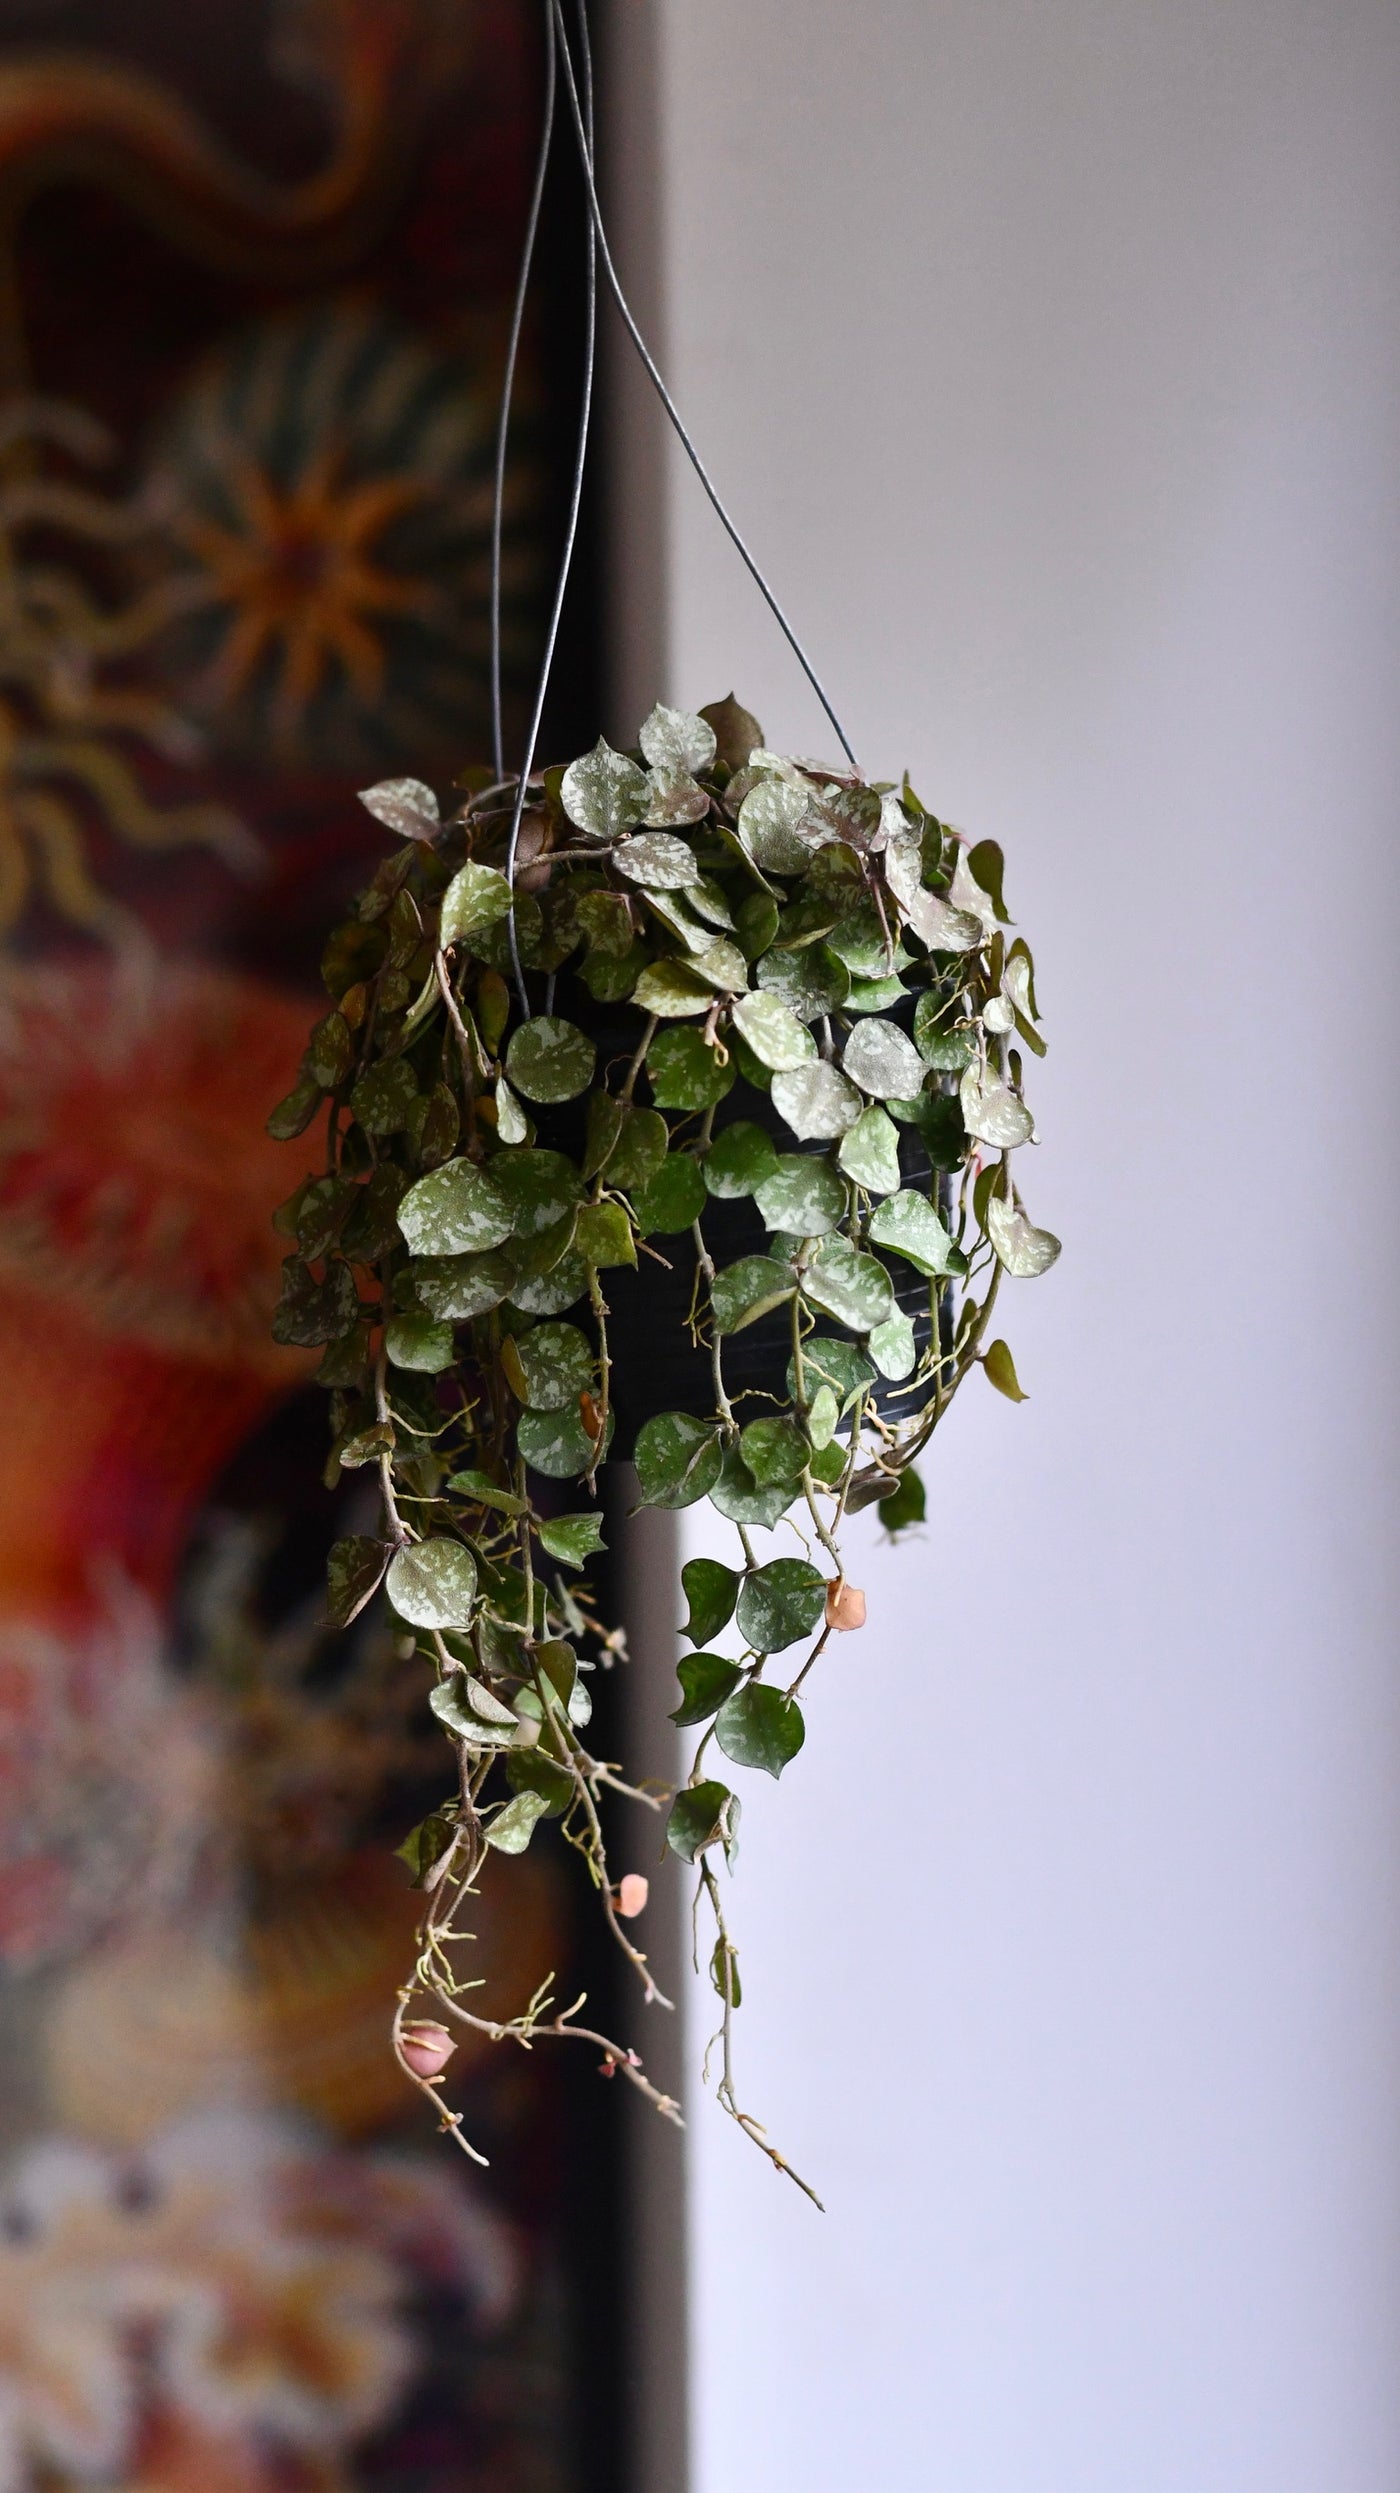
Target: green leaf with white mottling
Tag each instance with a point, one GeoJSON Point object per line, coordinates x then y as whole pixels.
{"type": "Point", "coordinates": [419, 1342]}
{"type": "Point", "coordinates": [672, 1200]}
{"type": "Point", "coordinates": [406, 807]}
{"type": "Point", "coordinates": [677, 740]}
{"type": "Point", "coordinates": [512, 1827]}
{"type": "Point", "coordinates": [869, 1152]}
{"type": "Point", "coordinates": [673, 991]}
{"type": "Point", "coordinates": [880, 1058]}
{"type": "Point", "coordinates": [992, 1111]}
{"type": "Point", "coordinates": [557, 1444]}
{"type": "Point", "coordinates": [780, 1603]}
{"type": "Point", "coordinates": [804, 1196]}
{"type": "Point", "coordinates": [685, 1071]}
{"type": "Point", "coordinates": [743, 1500]}
{"type": "Point", "coordinates": [539, 1187]}
{"type": "Point", "coordinates": [475, 898]}
{"type": "Point", "coordinates": [908, 1225]}
{"type": "Point", "coordinates": [811, 981]}
{"type": "Point", "coordinates": [677, 1459]}
{"type": "Point", "coordinates": [768, 820]}
{"type": "Point", "coordinates": [459, 1209]}
{"type": "Point", "coordinates": [746, 1290]}
{"type": "Point", "coordinates": [852, 1287]}
{"type": "Point", "coordinates": [675, 797]}
{"type": "Point", "coordinates": [557, 1364]}
{"type": "Point", "coordinates": [659, 858]}
{"type": "Point", "coordinates": [775, 1450]}
{"type": "Point", "coordinates": [817, 1101]}
{"type": "Point", "coordinates": [1023, 1250]}
{"type": "Point", "coordinates": [604, 793]}
{"type": "Point", "coordinates": [433, 1584]}
{"type": "Point", "coordinates": [739, 1161]}
{"type": "Point", "coordinates": [893, 1348]}
{"type": "Point", "coordinates": [572, 1539]}
{"type": "Point", "coordinates": [550, 1060]}
{"type": "Point", "coordinates": [512, 1124]}
{"type": "Point", "coordinates": [759, 1726]}
{"type": "Point", "coordinates": [773, 1031]}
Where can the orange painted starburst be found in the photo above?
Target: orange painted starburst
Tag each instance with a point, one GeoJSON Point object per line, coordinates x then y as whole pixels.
{"type": "Point", "coordinates": [298, 572]}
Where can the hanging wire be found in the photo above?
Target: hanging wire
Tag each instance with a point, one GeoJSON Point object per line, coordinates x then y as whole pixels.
{"type": "Point", "coordinates": [532, 228]}
{"type": "Point", "coordinates": [585, 124]}
{"type": "Point", "coordinates": [580, 91]}
{"type": "Point", "coordinates": [583, 129]}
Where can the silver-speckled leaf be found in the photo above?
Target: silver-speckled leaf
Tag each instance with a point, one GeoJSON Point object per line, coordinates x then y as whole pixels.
{"type": "Point", "coordinates": [455, 1210]}
{"type": "Point", "coordinates": [908, 1225]}
{"type": "Point", "coordinates": [673, 991]}
{"type": "Point", "coordinates": [997, 1016]}
{"type": "Point", "coordinates": [870, 1152]}
{"type": "Point", "coordinates": [817, 1101]}
{"type": "Point", "coordinates": [550, 1059]}
{"type": "Point", "coordinates": [1018, 983]}
{"type": "Point", "coordinates": [852, 1287]}
{"type": "Point", "coordinates": [434, 1584]}
{"type": "Point", "coordinates": [677, 740]}
{"type": "Point", "coordinates": [941, 927]}
{"type": "Point", "coordinates": [707, 899]}
{"type": "Point", "coordinates": [813, 981]}
{"type": "Point", "coordinates": [768, 820]}
{"type": "Point", "coordinates": [455, 1287]}
{"type": "Point", "coordinates": [886, 1064]}
{"type": "Point", "coordinates": [804, 1196]}
{"type": "Point", "coordinates": [894, 822]}
{"type": "Point", "coordinates": [965, 892]}
{"type": "Point", "coordinates": [512, 1124]}
{"type": "Point", "coordinates": [724, 965]}
{"type": "Point", "coordinates": [475, 898]}
{"type": "Point", "coordinates": [658, 858]}
{"type": "Point", "coordinates": [674, 911]}
{"type": "Point", "coordinates": [892, 1347]}
{"type": "Point", "coordinates": [775, 1034]}
{"type": "Point", "coordinates": [777, 766]}
{"type": "Point", "coordinates": [992, 1111]}
{"type": "Point", "coordinates": [1024, 1250]}
{"type": "Point", "coordinates": [604, 793]}
{"type": "Point", "coordinates": [404, 806]}
{"type": "Point", "coordinates": [675, 797]}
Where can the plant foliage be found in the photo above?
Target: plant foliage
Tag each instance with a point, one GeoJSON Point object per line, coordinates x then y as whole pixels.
{"type": "Point", "coordinates": [827, 1012]}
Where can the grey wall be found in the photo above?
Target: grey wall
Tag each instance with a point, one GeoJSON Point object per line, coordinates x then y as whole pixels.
{"type": "Point", "coordinates": [1050, 354]}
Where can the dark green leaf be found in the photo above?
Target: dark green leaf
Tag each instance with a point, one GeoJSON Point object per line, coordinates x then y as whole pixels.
{"type": "Point", "coordinates": [426, 1845]}
{"type": "Point", "coordinates": [322, 1206]}
{"type": "Point", "coordinates": [677, 1459]}
{"type": "Point", "coordinates": [756, 925]}
{"type": "Point", "coordinates": [905, 1505]}
{"type": "Point", "coordinates": [810, 982]}
{"type": "Point", "coordinates": [739, 1161]}
{"type": "Point", "coordinates": [706, 1680]}
{"type": "Point", "coordinates": [529, 1770]}
{"type": "Point", "coordinates": [382, 1098]}
{"type": "Point", "coordinates": [530, 1258]}
{"type": "Point", "coordinates": [557, 1443]}
{"type": "Point", "coordinates": [457, 1210]}
{"type": "Point", "coordinates": [572, 1539]}
{"type": "Point", "coordinates": [557, 1364]}
{"type": "Point", "coordinates": [346, 1360]}
{"type": "Point", "coordinates": [558, 1664]}
{"type": "Point", "coordinates": [330, 1052]}
{"type": "Point", "coordinates": [455, 1287]}
{"type": "Point", "coordinates": [419, 1342]}
{"type": "Point", "coordinates": [759, 1726]}
{"type": "Point", "coordinates": [434, 1125]}
{"type": "Point", "coordinates": [779, 1603]}
{"type": "Point", "coordinates": [292, 1115]}
{"type": "Point", "coordinates": [938, 1041]}
{"type": "Point", "coordinates": [987, 866]}
{"type": "Point", "coordinates": [372, 1228]}
{"type": "Point", "coordinates": [642, 1144]}
{"type": "Point", "coordinates": [549, 1293]}
{"type": "Point", "coordinates": [434, 1584]}
{"type": "Point", "coordinates": [674, 1199]}
{"type": "Point", "coordinates": [605, 1120]}
{"type": "Point", "coordinates": [686, 1071]}
{"type": "Point", "coordinates": [736, 731]}
{"type": "Point", "coordinates": [484, 1491]}
{"type": "Point", "coordinates": [604, 1235]}
{"type": "Point", "coordinates": [774, 1450]}
{"type": "Point", "coordinates": [711, 1591]}
{"type": "Point", "coordinates": [539, 1186]}
{"type": "Point", "coordinates": [746, 1290]}
{"type": "Point", "coordinates": [549, 1059]}
{"type": "Point", "coordinates": [354, 1572]}
{"type": "Point", "coordinates": [673, 991]}
{"type": "Point", "coordinates": [469, 1709]}
{"type": "Point", "coordinates": [309, 1311]}
{"type": "Point", "coordinates": [737, 1495]}
{"type": "Point", "coordinates": [701, 1815]}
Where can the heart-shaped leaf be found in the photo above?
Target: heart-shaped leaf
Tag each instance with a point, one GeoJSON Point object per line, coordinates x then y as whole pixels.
{"type": "Point", "coordinates": [706, 1680]}
{"type": "Point", "coordinates": [870, 1152]}
{"type": "Point", "coordinates": [557, 1444]}
{"type": "Point", "coordinates": [419, 1342]}
{"type": "Point", "coordinates": [1023, 1250]}
{"type": "Point", "coordinates": [512, 1827]}
{"type": "Point", "coordinates": [677, 740]}
{"type": "Point", "coordinates": [658, 858]}
{"type": "Point", "coordinates": [817, 1101]}
{"type": "Point", "coordinates": [759, 1726]}
{"type": "Point", "coordinates": [459, 1209]}
{"type": "Point", "coordinates": [852, 1287]}
{"type": "Point", "coordinates": [475, 898]}
{"type": "Point", "coordinates": [354, 1573]}
{"type": "Point", "coordinates": [908, 1224]}
{"type": "Point", "coordinates": [739, 1161]}
{"type": "Point", "coordinates": [778, 1039]}
{"type": "Point", "coordinates": [701, 1815]}
{"type": "Point", "coordinates": [992, 1111]}
{"type": "Point", "coordinates": [780, 1603]}
{"type": "Point", "coordinates": [404, 806]}
{"type": "Point", "coordinates": [746, 1290]}
{"type": "Point", "coordinates": [433, 1584]}
{"type": "Point", "coordinates": [572, 1538]}
{"type": "Point", "coordinates": [604, 793]}
{"type": "Point", "coordinates": [711, 1591]}
{"type": "Point", "coordinates": [677, 1459]}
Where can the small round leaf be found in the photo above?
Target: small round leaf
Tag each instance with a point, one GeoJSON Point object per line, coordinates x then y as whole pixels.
{"type": "Point", "coordinates": [433, 1584]}
{"type": "Point", "coordinates": [550, 1060]}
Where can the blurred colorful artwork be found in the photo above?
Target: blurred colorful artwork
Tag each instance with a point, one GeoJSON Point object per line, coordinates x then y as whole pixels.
{"type": "Point", "coordinates": [255, 269]}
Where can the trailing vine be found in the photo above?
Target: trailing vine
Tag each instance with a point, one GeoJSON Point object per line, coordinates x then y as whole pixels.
{"type": "Point", "coordinates": [578, 1026]}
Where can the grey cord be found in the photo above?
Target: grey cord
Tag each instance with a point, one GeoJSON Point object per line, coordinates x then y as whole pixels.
{"type": "Point", "coordinates": [584, 133]}
{"type": "Point", "coordinates": [585, 124]}
{"type": "Point", "coordinates": [532, 228]}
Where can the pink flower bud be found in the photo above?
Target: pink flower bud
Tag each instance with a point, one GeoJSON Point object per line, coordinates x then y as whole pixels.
{"type": "Point", "coordinates": [632, 1895]}
{"type": "Point", "coordinates": [845, 1604]}
{"type": "Point", "coordinates": [426, 2048]}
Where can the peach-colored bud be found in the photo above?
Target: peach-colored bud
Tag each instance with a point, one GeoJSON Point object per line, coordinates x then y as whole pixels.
{"type": "Point", "coordinates": [632, 1895]}
{"type": "Point", "coordinates": [845, 1604]}
{"type": "Point", "coordinates": [427, 2049]}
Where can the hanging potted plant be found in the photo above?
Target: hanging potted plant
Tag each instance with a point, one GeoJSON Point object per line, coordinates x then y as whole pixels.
{"type": "Point", "coordinates": [672, 1101]}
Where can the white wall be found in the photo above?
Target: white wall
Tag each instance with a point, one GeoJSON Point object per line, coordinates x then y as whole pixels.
{"type": "Point", "coordinates": [1050, 353]}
